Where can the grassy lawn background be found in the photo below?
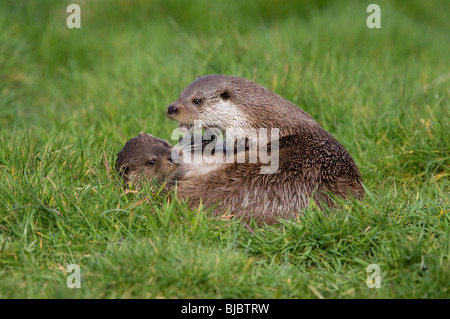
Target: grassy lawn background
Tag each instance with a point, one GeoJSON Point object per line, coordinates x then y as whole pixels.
{"type": "Point", "coordinates": [70, 98]}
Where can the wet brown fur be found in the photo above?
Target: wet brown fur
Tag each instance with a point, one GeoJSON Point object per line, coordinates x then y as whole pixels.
{"type": "Point", "coordinates": [241, 189]}
{"type": "Point", "coordinates": [312, 163]}
{"type": "Point", "coordinates": [145, 158]}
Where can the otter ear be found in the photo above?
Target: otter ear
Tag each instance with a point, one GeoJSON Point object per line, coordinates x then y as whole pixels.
{"type": "Point", "coordinates": [144, 134]}
{"type": "Point", "coordinates": [225, 95]}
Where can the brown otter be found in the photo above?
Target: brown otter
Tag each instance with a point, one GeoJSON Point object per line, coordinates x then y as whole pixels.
{"type": "Point", "coordinates": [312, 164]}
{"type": "Point", "coordinates": [145, 158]}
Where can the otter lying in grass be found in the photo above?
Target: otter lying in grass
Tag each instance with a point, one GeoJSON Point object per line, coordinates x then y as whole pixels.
{"type": "Point", "coordinates": [145, 158]}
{"type": "Point", "coordinates": [310, 164]}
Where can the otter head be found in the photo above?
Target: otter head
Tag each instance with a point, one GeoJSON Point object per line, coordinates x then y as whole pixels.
{"type": "Point", "coordinates": [211, 100]}
{"type": "Point", "coordinates": [236, 106]}
{"type": "Point", "coordinates": [144, 158]}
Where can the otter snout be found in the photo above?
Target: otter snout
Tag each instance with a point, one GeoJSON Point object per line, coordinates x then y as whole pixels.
{"type": "Point", "coordinates": [172, 110]}
{"type": "Point", "coordinates": [182, 113]}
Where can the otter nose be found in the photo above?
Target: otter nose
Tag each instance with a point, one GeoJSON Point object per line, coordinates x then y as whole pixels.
{"type": "Point", "coordinates": [172, 110]}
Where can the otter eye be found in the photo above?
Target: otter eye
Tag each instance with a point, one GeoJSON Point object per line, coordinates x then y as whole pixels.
{"type": "Point", "coordinates": [196, 101]}
{"type": "Point", "coordinates": [151, 162]}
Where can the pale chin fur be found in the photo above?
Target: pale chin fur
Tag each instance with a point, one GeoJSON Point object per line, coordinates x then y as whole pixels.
{"type": "Point", "coordinates": [195, 169]}
{"type": "Point", "coordinates": [223, 115]}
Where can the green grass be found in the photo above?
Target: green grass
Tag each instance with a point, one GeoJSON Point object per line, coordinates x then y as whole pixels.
{"type": "Point", "coordinates": [70, 98]}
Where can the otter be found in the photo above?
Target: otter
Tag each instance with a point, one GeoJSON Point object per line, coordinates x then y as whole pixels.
{"type": "Point", "coordinates": [312, 164]}
{"type": "Point", "coordinates": [145, 158]}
